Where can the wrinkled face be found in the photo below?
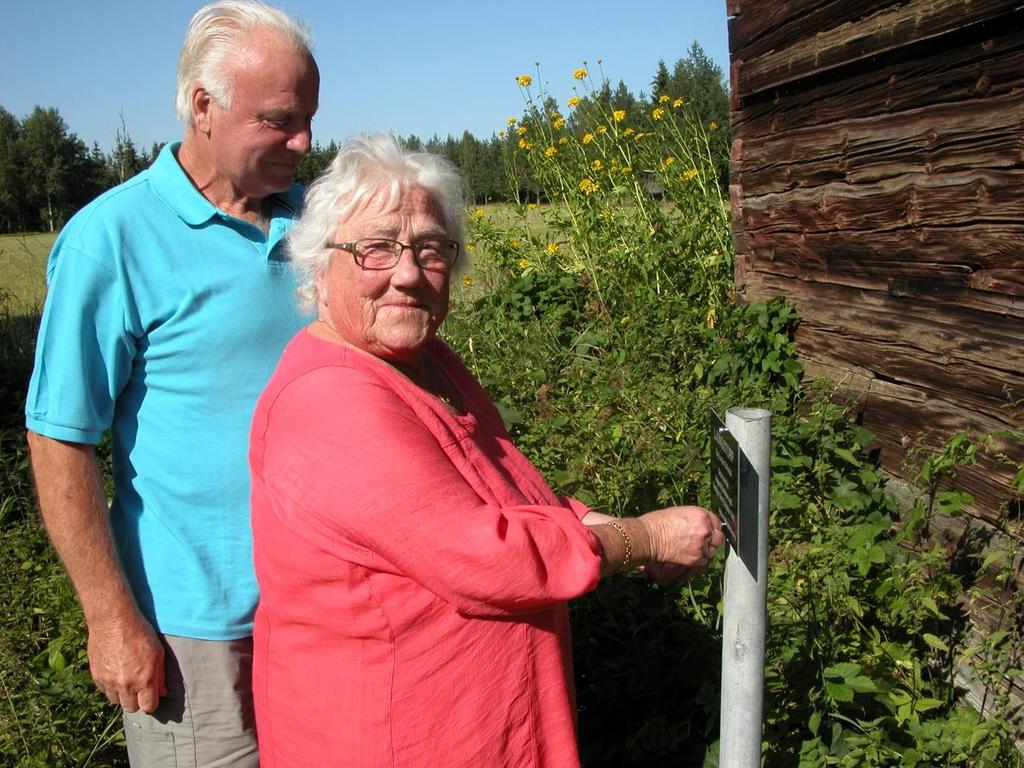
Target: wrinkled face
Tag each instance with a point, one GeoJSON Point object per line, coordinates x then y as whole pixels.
{"type": "Point", "coordinates": [391, 313]}
{"type": "Point", "coordinates": [256, 144]}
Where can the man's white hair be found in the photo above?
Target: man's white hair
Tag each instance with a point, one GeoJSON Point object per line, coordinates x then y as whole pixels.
{"type": "Point", "coordinates": [216, 37]}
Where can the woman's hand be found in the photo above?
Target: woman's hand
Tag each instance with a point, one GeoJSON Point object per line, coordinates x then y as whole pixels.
{"type": "Point", "coordinates": [671, 543]}
{"type": "Point", "coordinates": [683, 540]}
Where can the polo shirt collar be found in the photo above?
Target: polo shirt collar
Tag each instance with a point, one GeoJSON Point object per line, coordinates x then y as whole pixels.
{"type": "Point", "coordinates": [173, 187]}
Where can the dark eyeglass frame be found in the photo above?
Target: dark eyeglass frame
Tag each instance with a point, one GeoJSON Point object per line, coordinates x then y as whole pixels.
{"type": "Point", "coordinates": [359, 258]}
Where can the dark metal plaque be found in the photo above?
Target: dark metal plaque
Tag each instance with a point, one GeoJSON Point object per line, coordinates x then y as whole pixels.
{"type": "Point", "coordinates": [734, 493]}
{"type": "Point", "coordinates": [725, 479]}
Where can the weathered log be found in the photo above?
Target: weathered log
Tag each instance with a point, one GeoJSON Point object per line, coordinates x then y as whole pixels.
{"type": "Point", "coordinates": [945, 138]}
{"type": "Point", "coordinates": [952, 335]}
{"type": "Point", "coordinates": [976, 63]}
{"type": "Point", "coordinates": [774, 26]}
{"type": "Point", "coordinates": [853, 39]}
{"type": "Point", "coordinates": [940, 200]}
{"type": "Point", "coordinates": [975, 267]}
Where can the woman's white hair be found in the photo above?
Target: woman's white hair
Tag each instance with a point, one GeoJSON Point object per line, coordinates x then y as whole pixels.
{"type": "Point", "coordinates": [216, 37]}
{"type": "Point", "coordinates": [373, 166]}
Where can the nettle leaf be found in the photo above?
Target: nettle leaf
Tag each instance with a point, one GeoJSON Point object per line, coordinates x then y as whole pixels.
{"type": "Point", "coordinates": [935, 642]}
{"type": "Point", "coordinates": [931, 605]}
{"type": "Point", "coordinates": [839, 691]}
{"type": "Point", "coordinates": [994, 557]}
{"type": "Point", "coordinates": [847, 455]}
{"type": "Point", "coordinates": [509, 415]}
{"type": "Point", "coordinates": [862, 684]}
{"type": "Point", "coordinates": [899, 697]}
{"type": "Point", "coordinates": [996, 638]}
{"type": "Point", "coordinates": [952, 502]}
{"type": "Point", "coordinates": [784, 500]}
{"type": "Point", "coordinates": [925, 704]}
{"type": "Point", "coordinates": [843, 670]}
{"type": "Point", "coordinates": [814, 723]}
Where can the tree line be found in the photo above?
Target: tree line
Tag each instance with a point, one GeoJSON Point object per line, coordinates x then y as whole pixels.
{"type": "Point", "coordinates": [47, 173]}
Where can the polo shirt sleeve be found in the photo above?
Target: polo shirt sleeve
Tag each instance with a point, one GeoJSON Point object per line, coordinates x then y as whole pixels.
{"type": "Point", "coordinates": [84, 351]}
{"type": "Point", "coordinates": [348, 466]}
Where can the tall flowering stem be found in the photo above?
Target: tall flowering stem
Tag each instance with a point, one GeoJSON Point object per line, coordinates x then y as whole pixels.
{"type": "Point", "coordinates": [634, 194]}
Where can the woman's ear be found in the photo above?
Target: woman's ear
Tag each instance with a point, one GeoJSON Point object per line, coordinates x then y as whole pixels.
{"type": "Point", "coordinates": [321, 288]}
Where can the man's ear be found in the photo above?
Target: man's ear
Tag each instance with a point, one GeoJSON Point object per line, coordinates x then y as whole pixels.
{"type": "Point", "coordinates": [202, 102]}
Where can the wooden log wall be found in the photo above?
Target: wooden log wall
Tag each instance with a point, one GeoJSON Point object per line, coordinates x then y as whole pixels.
{"type": "Point", "coordinates": [878, 182]}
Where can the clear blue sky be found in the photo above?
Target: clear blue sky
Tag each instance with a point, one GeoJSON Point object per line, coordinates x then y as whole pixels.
{"type": "Point", "coordinates": [410, 66]}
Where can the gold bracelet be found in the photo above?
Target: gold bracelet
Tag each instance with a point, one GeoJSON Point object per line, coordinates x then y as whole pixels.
{"type": "Point", "coordinates": [627, 557]}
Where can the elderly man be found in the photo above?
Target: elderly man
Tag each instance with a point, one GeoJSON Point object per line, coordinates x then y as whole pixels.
{"type": "Point", "coordinates": [169, 303]}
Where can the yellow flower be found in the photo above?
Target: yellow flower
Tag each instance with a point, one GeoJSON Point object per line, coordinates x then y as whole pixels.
{"type": "Point", "coordinates": [628, 132]}
{"type": "Point", "coordinates": [713, 125]}
{"type": "Point", "coordinates": [479, 213]}
{"type": "Point", "coordinates": [563, 140]}
{"type": "Point", "coordinates": [662, 99]}
{"type": "Point", "coordinates": [597, 165]}
{"type": "Point", "coordinates": [514, 243]}
{"type": "Point", "coordinates": [552, 249]}
{"type": "Point", "coordinates": [639, 136]}
{"type": "Point", "coordinates": [589, 186]}
{"type": "Point", "coordinates": [627, 169]}
{"type": "Point", "coordinates": [467, 280]}
{"type": "Point", "coordinates": [658, 113]}
{"type": "Point", "coordinates": [525, 81]}
{"type": "Point", "coordinates": [550, 152]}
{"type": "Point", "coordinates": [678, 103]}
{"type": "Point", "coordinates": [558, 123]}
{"type": "Point", "coordinates": [524, 144]}
{"type": "Point", "coordinates": [521, 130]}
{"type": "Point", "coordinates": [523, 263]}
{"type": "Point", "coordinates": [580, 73]}
{"type": "Point", "coordinates": [530, 206]}
{"type": "Point", "coordinates": [601, 129]}
{"type": "Point", "coordinates": [470, 246]}
{"type": "Point", "coordinates": [501, 134]}
{"type": "Point", "coordinates": [624, 320]}
{"type": "Point", "coordinates": [691, 173]}
{"type": "Point", "coordinates": [511, 121]}
{"type": "Point", "coordinates": [619, 115]}
{"type": "Point", "coordinates": [573, 101]}
{"type": "Point", "coordinates": [587, 138]}
{"type": "Point", "coordinates": [667, 162]}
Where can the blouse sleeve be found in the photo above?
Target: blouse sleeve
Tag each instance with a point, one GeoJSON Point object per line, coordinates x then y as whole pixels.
{"type": "Point", "coordinates": [350, 467]}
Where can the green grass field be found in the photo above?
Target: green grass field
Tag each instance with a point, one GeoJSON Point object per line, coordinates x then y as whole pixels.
{"type": "Point", "coordinates": [23, 263]}
{"type": "Point", "coordinates": [23, 270]}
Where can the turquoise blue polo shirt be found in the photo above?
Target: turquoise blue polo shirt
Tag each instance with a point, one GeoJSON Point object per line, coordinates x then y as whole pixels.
{"type": "Point", "coordinates": [164, 318]}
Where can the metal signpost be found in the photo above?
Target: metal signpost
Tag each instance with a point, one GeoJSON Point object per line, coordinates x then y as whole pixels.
{"type": "Point", "coordinates": [740, 473]}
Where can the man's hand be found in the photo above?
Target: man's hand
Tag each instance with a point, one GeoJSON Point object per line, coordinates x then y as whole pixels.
{"type": "Point", "coordinates": [126, 660]}
{"type": "Point", "coordinates": [125, 654]}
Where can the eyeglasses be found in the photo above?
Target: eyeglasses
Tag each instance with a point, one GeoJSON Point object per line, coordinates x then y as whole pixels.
{"type": "Point", "coordinates": [433, 254]}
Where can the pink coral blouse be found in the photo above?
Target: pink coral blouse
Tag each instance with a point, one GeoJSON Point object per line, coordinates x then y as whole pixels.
{"type": "Point", "coordinates": [414, 570]}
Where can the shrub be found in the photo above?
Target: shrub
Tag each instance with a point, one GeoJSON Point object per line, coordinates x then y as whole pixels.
{"type": "Point", "coordinates": [51, 714]}
{"type": "Point", "coordinates": [609, 331]}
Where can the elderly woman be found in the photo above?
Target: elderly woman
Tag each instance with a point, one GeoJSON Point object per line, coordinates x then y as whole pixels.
{"type": "Point", "coordinates": [414, 567]}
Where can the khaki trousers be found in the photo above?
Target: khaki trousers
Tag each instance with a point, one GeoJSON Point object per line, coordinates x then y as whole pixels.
{"type": "Point", "coordinates": [206, 720]}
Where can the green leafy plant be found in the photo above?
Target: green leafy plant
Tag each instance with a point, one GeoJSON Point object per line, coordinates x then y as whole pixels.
{"type": "Point", "coordinates": [607, 333]}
